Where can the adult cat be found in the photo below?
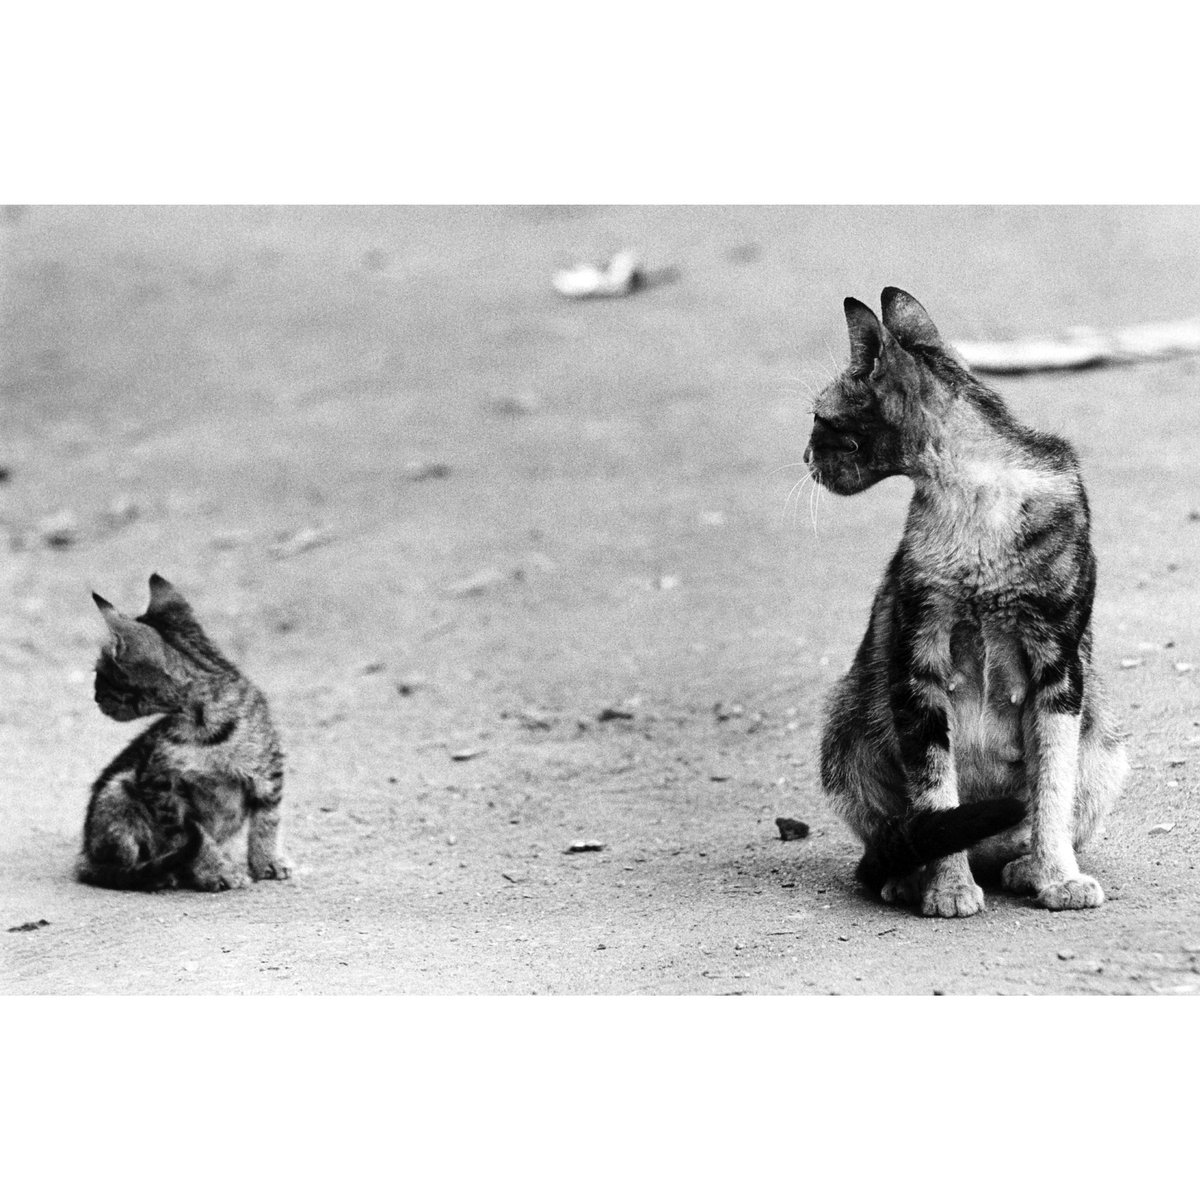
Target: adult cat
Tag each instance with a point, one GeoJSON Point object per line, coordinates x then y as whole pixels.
{"type": "Point", "coordinates": [971, 719]}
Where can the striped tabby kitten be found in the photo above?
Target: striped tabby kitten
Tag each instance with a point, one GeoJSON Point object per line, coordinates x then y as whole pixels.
{"type": "Point", "coordinates": [970, 732]}
{"type": "Point", "coordinates": [163, 809]}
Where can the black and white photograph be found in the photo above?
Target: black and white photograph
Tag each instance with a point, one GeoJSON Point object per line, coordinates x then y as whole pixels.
{"type": "Point", "coordinates": [598, 601]}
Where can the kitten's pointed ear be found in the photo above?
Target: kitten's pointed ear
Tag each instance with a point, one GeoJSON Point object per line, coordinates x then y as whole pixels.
{"type": "Point", "coordinates": [866, 336]}
{"type": "Point", "coordinates": [112, 618]}
{"type": "Point", "coordinates": [906, 319]}
{"type": "Point", "coordinates": [163, 595]}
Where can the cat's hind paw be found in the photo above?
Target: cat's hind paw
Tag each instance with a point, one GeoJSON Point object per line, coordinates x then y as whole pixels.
{"type": "Point", "coordinates": [1081, 892]}
{"type": "Point", "coordinates": [276, 867]}
{"type": "Point", "coordinates": [900, 889]}
{"type": "Point", "coordinates": [1021, 875]}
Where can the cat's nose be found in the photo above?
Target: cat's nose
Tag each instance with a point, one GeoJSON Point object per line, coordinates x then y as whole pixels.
{"type": "Point", "coordinates": [808, 454]}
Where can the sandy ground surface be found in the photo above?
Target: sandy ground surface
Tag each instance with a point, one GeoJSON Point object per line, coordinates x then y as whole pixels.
{"type": "Point", "coordinates": [515, 513]}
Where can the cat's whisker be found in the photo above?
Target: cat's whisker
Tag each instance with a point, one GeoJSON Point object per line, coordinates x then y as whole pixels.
{"type": "Point", "coordinates": [795, 490]}
{"type": "Point", "coordinates": [786, 467]}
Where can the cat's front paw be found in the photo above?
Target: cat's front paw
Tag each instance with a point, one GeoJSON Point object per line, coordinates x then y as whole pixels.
{"type": "Point", "coordinates": [275, 867]}
{"type": "Point", "coordinates": [1081, 892]}
{"type": "Point", "coordinates": [955, 898]}
{"type": "Point", "coordinates": [225, 878]}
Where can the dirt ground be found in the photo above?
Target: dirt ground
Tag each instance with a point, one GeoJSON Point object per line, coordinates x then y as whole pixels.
{"type": "Point", "coordinates": [516, 572]}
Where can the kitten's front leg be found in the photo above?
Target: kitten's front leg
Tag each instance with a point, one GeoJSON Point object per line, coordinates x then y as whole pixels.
{"type": "Point", "coordinates": [1050, 869]}
{"type": "Point", "coordinates": [947, 887]}
{"type": "Point", "coordinates": [212, 871]}
{"type": "Point", "coordinates": [266, 858]}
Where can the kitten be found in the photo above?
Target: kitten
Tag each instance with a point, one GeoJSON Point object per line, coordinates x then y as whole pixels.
{"type": "Point", "coordinates": [162, 810]}
{"type": "Point", "coordinates": [970, 731]}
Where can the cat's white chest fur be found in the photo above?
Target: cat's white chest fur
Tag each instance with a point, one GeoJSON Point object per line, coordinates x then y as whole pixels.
{"type": "Point", "coordinates": [979, 510]}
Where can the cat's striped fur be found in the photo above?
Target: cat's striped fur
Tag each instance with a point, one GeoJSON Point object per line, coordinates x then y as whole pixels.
{"type": "Point", "coordinates": [162, 812]}
{"type": "Point", "coordinates": [970, 731]}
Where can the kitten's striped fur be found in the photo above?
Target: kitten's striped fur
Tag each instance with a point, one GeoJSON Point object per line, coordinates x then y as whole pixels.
{"type": "Point", "coordinates": [162, 812]}
{"type": "Point", "coordinates": [970, 731]}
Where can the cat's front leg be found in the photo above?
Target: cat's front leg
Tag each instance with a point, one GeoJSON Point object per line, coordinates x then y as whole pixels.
{"type": "Point", "coordinates": [266, 858]}
{"type": "Point", "coordinates": [1050, 869]}
{"type": "Point", "coordinates": [947, 887]}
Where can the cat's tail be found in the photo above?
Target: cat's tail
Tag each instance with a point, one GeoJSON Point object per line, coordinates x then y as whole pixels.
{"type": "Point", "coordinates": [148, 876]}
{"type": "Point", "coordinates": [908, 842]}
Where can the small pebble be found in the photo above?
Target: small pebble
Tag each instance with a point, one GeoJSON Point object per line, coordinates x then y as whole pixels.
{"type": "Point", "coordinates": [60, 530]}
{"type": "Point", "coordinates": [791, 830]}
{"type": "Point", "coordinates": [416, 472]}
{"type": "Point", "coordinates": [1066, 955]}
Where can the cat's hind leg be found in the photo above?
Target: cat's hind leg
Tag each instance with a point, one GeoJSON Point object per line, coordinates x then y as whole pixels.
{"type": "Point", "coordinates": [122, 848]}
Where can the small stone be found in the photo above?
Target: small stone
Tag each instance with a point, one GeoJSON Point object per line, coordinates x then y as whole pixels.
{"type": "Point", "coordinates": [60, 530]}
{"type": "Point", "coordinates": [1127, 664]}
{"type": "Point", "coordinates": [418, 471]}
{"type": "Point", "coordinates": [584, 847]}
{"type": "Point", "coordinates": [1182, 668]}
{"type": "Point", "coordinates": [122, 511]}
{"type": "Point", "coordinates": [477, 584]}
{"type": "Point", "coordinates": [466, 753]}
{"type": "Point", "coordinates": [190, 966]}
{"type": "Point", "coordinates": [1066, 955]}
{"type": "Point", "coordinates": [516, 404]}
{"type": "Point", "coordinates": [451, 840]}
{"type": "Point", "coordinates": [791, 830]}
{"type": "Point", "coordinates": [303, 540]}
{"type": "Point", "coordinates": [1166, 827]}
{"type": "Point", "coordinates": [615, 713]}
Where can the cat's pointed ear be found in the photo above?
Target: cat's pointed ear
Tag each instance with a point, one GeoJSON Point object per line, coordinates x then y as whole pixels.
{"type": "Point", "coordinates": [866, 336]}
{"type": "Point", "coordinates": [906, 320]}
{"type": "Point", "coordinates": [164, 596]}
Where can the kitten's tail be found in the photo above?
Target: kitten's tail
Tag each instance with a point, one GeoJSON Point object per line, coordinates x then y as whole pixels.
{"type": "Point", "coordinates": [146, 876]}
{"type": "Point", "coordinates": [908, 842]}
